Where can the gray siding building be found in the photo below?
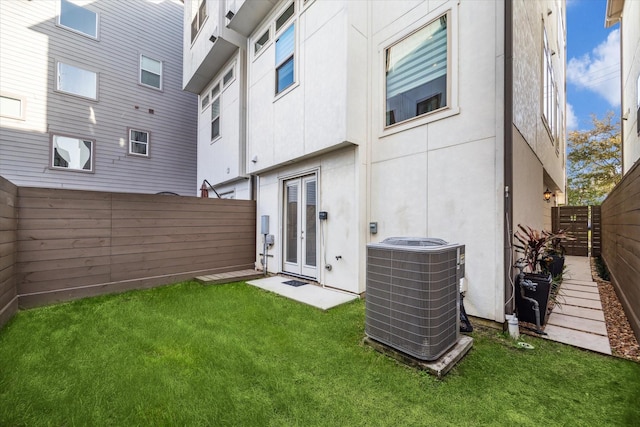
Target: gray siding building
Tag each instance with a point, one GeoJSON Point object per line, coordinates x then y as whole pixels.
{"type": "Point", "coordinates": [91, 96]}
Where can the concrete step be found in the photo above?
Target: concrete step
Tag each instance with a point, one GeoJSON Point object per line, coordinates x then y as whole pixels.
{"type": "Point", "coordinates": [585, 313]}
{"type": "Point", "coordinates": [597, 327]}
{"type": "Point", "coordinates": [578, 339]}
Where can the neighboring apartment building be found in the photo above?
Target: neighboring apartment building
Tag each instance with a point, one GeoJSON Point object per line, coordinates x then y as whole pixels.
{"type": "Point", "coordinates": [627, 12]}
{"type": "Point", "coordinates": [91, 96]}
{"type": "Point", "coordinates": [396, 118]}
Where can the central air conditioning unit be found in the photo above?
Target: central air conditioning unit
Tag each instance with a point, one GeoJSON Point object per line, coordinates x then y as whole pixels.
{"type": "Point", "coordinates": [412, 295]}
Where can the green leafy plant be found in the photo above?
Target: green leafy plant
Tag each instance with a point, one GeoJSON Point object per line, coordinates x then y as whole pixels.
{"type": "Point", "coordinates": [539, 246]}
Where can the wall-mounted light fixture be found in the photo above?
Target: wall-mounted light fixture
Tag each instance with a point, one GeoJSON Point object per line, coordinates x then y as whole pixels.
{"type": "Point", "coordinates": [547, 195]}
{"type": "Point", "coordinates": [213, 38]}
{"type": "Point", "coordinates": [230, 15]}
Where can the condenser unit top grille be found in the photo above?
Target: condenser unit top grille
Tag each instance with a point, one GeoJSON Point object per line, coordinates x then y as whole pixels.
{"type": "Point", "coordinates": [422, 244]}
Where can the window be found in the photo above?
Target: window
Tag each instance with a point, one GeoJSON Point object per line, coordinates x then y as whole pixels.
{"type": "Point", "coordinates": [259, 44]}
{"type": "Point", "coordinates": [215, 91]}
{"type": "Point", "coordinates": [215, 118]}
{"type": "Point", "coordinates": [77, 81]}
{"type": "Point", "coordinates": [227, 77]}
{"type": "Point", "coordinates": [198, 19]}
{"type": "Point", "coordinates": [150, 72]}
{"type": "Point", "coordinates": [139, 142]}
{"type": "Point", "coordinates": [282, 19]}
{"type": "Point", "coordinates": [11, 106]}
{"type": "Point", "coordinates": [549, 98]}
{"type": "Point", "coordinates": [416, 73]}
{"type": "Point", "coordinates": [71, 153]}
{"type": "Point", "coordinates": [205, 101]}
{"type": "Point", "coordinates": [78, 19]}
{"type": "Point", "coordinates": [285, 46]}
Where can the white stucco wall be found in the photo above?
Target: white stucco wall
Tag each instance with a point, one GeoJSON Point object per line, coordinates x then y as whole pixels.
{"type": "Point", "coordinates": [630, 40]}
{"type": "Point", "coordinates": [443, 177]}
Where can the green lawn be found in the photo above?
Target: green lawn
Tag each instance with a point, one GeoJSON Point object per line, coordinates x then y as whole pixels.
{"type": "Point", "coordinates": [234, 355]}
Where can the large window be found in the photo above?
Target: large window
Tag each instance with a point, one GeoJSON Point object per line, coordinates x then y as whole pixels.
{"type": "Point", "coordinates": [215, 118]}
{"type": "Point", "coordinates": [139, 142]}
{"type": "Point", "coordinates": [550, 97]}
{"type": "Point", "coordinates": [199, 16]}
{"type": "Point", "coordinates": [285, 48]}
{"type": "Point", "coordinates": [71, 153]}
{"type": "Point", "coordinates": [78, 19]}
{"type": "Point", "coordinates": [416, 73]}
{"type": "Point", "coordinates": [150, 72]}
{"type": "Point", "coordinates": [77, 81]}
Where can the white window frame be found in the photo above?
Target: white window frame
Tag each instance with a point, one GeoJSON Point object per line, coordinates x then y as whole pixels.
{"type": "Point", "coordinates": [52, 139]}
{"type": "Point", "coordinates": [217, 99]}
{"type": "Point", "coordinates": [257, 50]}
{"type": "Point", "coordinates": [231, 71]}
{"type": "Point", "coordinates": [23, 107]}
{"type": "Point", "coordinates": [151, 72]}
{"type": "Point", "coordinates": [549, 89]}
{"type": "Point", "coordinates": [75, 30]}
{"type": "Point", "coordinates": [386, 40]}
{"type": "Point", "coordinates": [68, 92]}
{"type": "Point", "coordinates": [147, 144]}
{"type": "Point", "coordinates": [199, 18]}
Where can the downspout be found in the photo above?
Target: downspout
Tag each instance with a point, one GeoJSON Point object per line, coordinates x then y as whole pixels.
{"type": "Point", "coordinates": [508, 154]}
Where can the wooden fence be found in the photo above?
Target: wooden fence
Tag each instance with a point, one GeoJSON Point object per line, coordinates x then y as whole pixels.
{"type": "Point", "coordinates": [72, 244]}
{"type": "Point", "coordinates": [621, 243]}
{"type": "Point", "coordinates": [8, 249]}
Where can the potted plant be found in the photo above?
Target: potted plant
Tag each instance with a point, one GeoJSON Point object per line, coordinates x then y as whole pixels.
{"type": "Point", "coordinates": [539, 249]}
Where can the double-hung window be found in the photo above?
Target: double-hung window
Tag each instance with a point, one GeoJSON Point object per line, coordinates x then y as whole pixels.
{"type": "Point", "coordinates": [199, 15]}
{"type": "Point", "coordinates": [285, 48]}
{"type": "Point", "coordinates": [416, 73]}
{"type": "Point", "coordinates": [139, 142]}
{"type": "Point", "coordinates": [71, 153]}
{"type": "Point", "coordinates": [549, 98]}
{"type": "Point", "coordinates": [77, 81]}
{"type": "Point", "coordinates": [77, 18]}
{"type": "Point", "coordinates": [150, 72]}
{"type": "Point", "coordinates": [215, 112]}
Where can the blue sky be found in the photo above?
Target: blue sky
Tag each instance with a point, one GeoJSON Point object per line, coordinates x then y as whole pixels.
{"type": "Point", "coordinates": [593, 63]}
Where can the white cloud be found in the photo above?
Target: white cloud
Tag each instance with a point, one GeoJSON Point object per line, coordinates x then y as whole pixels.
{"type": "Point", "coordinates": [572, 120]}
{"type": "Point", "coordinates": [600, 71]}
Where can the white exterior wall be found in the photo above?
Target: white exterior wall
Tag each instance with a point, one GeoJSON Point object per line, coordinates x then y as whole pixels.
{"type": "Point", "coordinates": [630, 58]}
{"type": "Point", "coordinates": [443, 177]}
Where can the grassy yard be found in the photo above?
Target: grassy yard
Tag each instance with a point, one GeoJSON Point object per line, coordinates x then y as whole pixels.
{"type": "Point", "coordinates": [234, 355]}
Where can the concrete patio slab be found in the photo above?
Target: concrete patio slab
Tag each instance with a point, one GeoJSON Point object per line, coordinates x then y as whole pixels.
{"type": "Point", "coordinates": [597, 327]}
{"type": "Point", "coordinates": [577, 268]}
{"type": "Point", "coordinates": [574, 287]}
{"type": "Point", "coordinates": [579, 294]}
{"type": "Point", "coordinates": [582, 302]}
{"type": "Point", "coordinates": [310, 294]}
{"type": "Point", "coordinates": [585, 313]}
{"type": "Point", "coordinates": [438, 367]}
{"type": "Point", "coordinates": [580, 339]}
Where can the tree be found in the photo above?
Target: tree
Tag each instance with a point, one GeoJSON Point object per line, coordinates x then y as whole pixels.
{"type": "Point", "coordinates": [594, 161]}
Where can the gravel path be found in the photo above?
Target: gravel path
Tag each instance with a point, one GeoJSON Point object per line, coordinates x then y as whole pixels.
{"type": "Point", "coordinates": [621, 337]}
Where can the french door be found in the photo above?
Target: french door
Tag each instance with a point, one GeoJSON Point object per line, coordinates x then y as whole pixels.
{"type": "Point", "coordinates": [300, 249]}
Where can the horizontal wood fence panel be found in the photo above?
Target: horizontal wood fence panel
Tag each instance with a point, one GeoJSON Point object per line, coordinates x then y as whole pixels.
{"type": "Point", "coordinates": [620, 214]}
{"type": "Point", "coordinates": [8, 249]}
{"type": "Point", "coordinates": [72, 244]}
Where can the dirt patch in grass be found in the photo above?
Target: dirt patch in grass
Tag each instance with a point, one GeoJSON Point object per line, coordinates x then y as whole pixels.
{"type": "Point", "coordinates": [622, 340]}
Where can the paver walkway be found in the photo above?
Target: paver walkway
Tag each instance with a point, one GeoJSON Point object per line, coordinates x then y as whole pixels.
{"type": "Point", "coordinates": [577, 318]}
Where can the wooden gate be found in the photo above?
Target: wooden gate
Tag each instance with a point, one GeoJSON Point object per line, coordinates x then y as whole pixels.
{"type": "Point", "coordinates": [583, 224]}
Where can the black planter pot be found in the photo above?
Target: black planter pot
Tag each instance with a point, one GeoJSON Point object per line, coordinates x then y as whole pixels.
{"type": "Point", "coordinates": [525, 308]}
{"type": "Point", "coordinates": [555, 266]}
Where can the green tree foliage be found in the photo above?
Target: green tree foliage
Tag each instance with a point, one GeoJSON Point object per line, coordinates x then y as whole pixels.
{"type": "Point", "coordinates": [594, 161]}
